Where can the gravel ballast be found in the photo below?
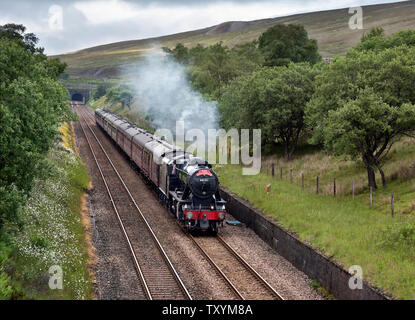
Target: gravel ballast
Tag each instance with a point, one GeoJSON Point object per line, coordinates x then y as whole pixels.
{"type": "Point", "coordinates": [115, 274]}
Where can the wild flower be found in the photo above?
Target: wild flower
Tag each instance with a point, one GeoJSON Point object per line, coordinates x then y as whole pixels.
{"type": "Point", "coordinates": [48, 237]}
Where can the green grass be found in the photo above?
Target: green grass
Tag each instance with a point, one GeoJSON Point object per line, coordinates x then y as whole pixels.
{"type": "Point", "coordinates": [399, 166]}
{"type": "Point", "coordinates": [53, 233]}
{"type": "Point", "coordinates": [321, 290]}
{"type": "Point", "coordinates": [329, 28]}
{"type": "Point", "coordinates": [343, 228]}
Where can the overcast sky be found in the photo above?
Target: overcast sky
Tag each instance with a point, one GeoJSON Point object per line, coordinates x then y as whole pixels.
{"type": "Point", "coordinates": [69, 25]}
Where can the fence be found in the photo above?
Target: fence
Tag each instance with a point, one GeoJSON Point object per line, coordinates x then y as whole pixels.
{"type": "Point", "coordinates": [331, 189]}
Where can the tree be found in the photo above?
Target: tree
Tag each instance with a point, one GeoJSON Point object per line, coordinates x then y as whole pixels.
{"type": "Point", "coordinates": [366, 127]}
{"type": "Point", "coordinates": [213, 71]}
{"type": "Point", "coordinates": [373, 33]}
{"type": "Point", "coordinates": [282, 44]}
{"type": "Point", "coordinates": [377, 41]}
{"type": "Point", "coordinates": [287, 94]}
{"type": "Point", "coordinates": [215, 66]}
{"type": "Point", "coordinates": [272, 99]}
{"type": "Point", "coordinates": [212, 68]}
{"type": "Point", "coordinates": [17, 33]}
{"type": "Point", "coordinates": [100, 90]}
{"type": "Point", "coordinates": [120, 94]}
{"type": "Point", "coordinates": [32, 104]}
{"type": "Point", "coordinates": [113, 94]}
{"type": "Point", "coordinates": [387, 78]}
{"type": "Point", "coordinates": [126, 96]}
{"type": "Point", "coordinates": [55, 67]}
{"type": "Point", "coordinates": [181, 53]}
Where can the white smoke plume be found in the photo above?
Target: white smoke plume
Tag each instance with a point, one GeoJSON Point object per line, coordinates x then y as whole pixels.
{"type": "Point", "coordinates": [164, 92]}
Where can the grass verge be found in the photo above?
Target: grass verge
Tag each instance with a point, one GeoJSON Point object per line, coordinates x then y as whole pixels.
{"type": "Point", "coordinates": [345, 229]}
{"type": "Point", "coordinates": [53, 233]}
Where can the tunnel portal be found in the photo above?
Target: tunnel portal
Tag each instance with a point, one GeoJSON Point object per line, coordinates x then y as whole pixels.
{"type": "Point", "coordinates": [77, 97]}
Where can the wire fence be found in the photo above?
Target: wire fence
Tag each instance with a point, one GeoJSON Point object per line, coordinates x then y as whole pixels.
{"type": "Point", "coordinates": [329, 189]}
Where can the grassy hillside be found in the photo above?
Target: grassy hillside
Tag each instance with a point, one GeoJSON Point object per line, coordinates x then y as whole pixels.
{"type": "Point", "coordinates": [329, 28]}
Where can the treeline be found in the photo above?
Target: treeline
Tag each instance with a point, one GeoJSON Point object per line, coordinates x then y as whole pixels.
{"type": "Point", "coordinates": [215, 66]}
{"type": "Point", "coordinates": [32, 104]}
{"type": "Point", "coordinates": [356, 106]}
{"type": "Point", "coordinates": [114, 93]}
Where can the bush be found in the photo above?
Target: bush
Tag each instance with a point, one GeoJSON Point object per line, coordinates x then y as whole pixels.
{"type": "Point", "coordinates": [6, 290]}
{"type": "Point", "coordinates": [398, 236]}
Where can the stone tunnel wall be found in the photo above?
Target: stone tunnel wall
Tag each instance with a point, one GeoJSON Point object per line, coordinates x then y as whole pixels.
{"type": "Point", "coordinates": [86, 93]}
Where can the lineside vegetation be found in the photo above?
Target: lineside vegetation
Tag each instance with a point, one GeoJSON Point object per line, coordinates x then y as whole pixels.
{"type": "Point", "coordinates": [33, 104]}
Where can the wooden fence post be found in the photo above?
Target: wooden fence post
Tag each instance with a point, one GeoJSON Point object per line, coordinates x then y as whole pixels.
{"type": "Point", "coordinates": [273, 172]}
{"type": "Point", "coordinates": [281, 173]}
{"type": "Point", "coordinates": [334, 187]}
{"type": "Point", "coordinates": [317, 186]}
{"type": "Point", "coordinates": [353, 189]}
{"type": "Point", "coordinates": [371, 197]}
{"type": "Point", "coordinates": [393, 205]}
{"type": "Point", "coordinates": [302, 180]}
{"type": "Point", "coordinates": [291, 175]}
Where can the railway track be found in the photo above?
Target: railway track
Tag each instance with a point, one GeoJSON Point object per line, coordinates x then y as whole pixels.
{"type": "Point", "coordinates": [240, 277]}
{"type": "Point", "coordinates": [155, 271]}
{"type": "Point", "coordinates": [245, 282]}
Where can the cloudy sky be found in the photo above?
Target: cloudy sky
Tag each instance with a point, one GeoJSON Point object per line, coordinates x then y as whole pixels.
{"type": "Point", "coordinates": [69, 25]}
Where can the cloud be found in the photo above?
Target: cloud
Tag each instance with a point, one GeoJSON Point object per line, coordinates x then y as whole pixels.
{"type": "Point", "coordinates": [94, 22]}
{"type": "Point", "coordinates": [99, 12]}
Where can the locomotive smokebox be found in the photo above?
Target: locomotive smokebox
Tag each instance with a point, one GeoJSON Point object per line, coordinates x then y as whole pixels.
{"type": "Point", "coordinates": [203, 183]}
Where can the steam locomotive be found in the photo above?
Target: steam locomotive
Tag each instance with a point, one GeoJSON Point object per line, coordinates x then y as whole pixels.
{"type": "Point", "coordinates": [186, 184]}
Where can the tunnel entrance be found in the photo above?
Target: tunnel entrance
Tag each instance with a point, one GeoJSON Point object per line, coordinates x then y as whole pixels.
{"type": "Point", "coordinates": [77, 97]}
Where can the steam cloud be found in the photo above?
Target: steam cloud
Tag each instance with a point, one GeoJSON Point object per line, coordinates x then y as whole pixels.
{"type": "Point", "coordinates": [163, 90]}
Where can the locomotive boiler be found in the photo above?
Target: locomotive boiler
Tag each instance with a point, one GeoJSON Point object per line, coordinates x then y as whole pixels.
{"type": "Point", "coordinates": [186, 184]}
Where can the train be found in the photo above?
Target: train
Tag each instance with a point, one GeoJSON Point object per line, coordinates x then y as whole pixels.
{"type": "Point", "coordinates": [186, 184]}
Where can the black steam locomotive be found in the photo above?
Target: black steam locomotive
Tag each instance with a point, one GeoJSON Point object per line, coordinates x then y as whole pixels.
{"type": "Point", "coordinates": [185, 183]}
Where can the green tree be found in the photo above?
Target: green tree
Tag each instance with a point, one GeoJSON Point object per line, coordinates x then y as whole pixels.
{"type": "Point", "coordinates": [212, 68]}
{"type": "Point", "coordinates": [17, 33]}
{"type": "Point", "coordinates": [100, 90]}
{"type": "Point", "coordinates": [215, 66]}
{"type": "Point", "coordinates": [125, 97]}
{"type": "Point", "coordinates": [213, 71]}
{"type": "Point", "coordinates": [388, 77]}
{"type": "Point", "coordinates": [377, 41]}
{"type": "Point", "coordinates": [113, 94]}
{"type": "Point", "coordinates": [180, 53]}
{"type": "Point", "coordinates": [282, 44]}
{"type": "Point", "coordinates": [32, 103]}
{"type": "Point", "coordinates": [120, 94]}
{"type": "Point", "coordinates": [247, 58]}
{"type": "Point", "coordinates": [272, 99]}
{"type": "Point", "coordinates": [366, 127]}
{"type": "Point", "coordinates": [373, 33]}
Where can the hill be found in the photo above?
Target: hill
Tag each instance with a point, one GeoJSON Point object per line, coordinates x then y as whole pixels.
{"type": "Point", "coordinates": [329, 28]}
